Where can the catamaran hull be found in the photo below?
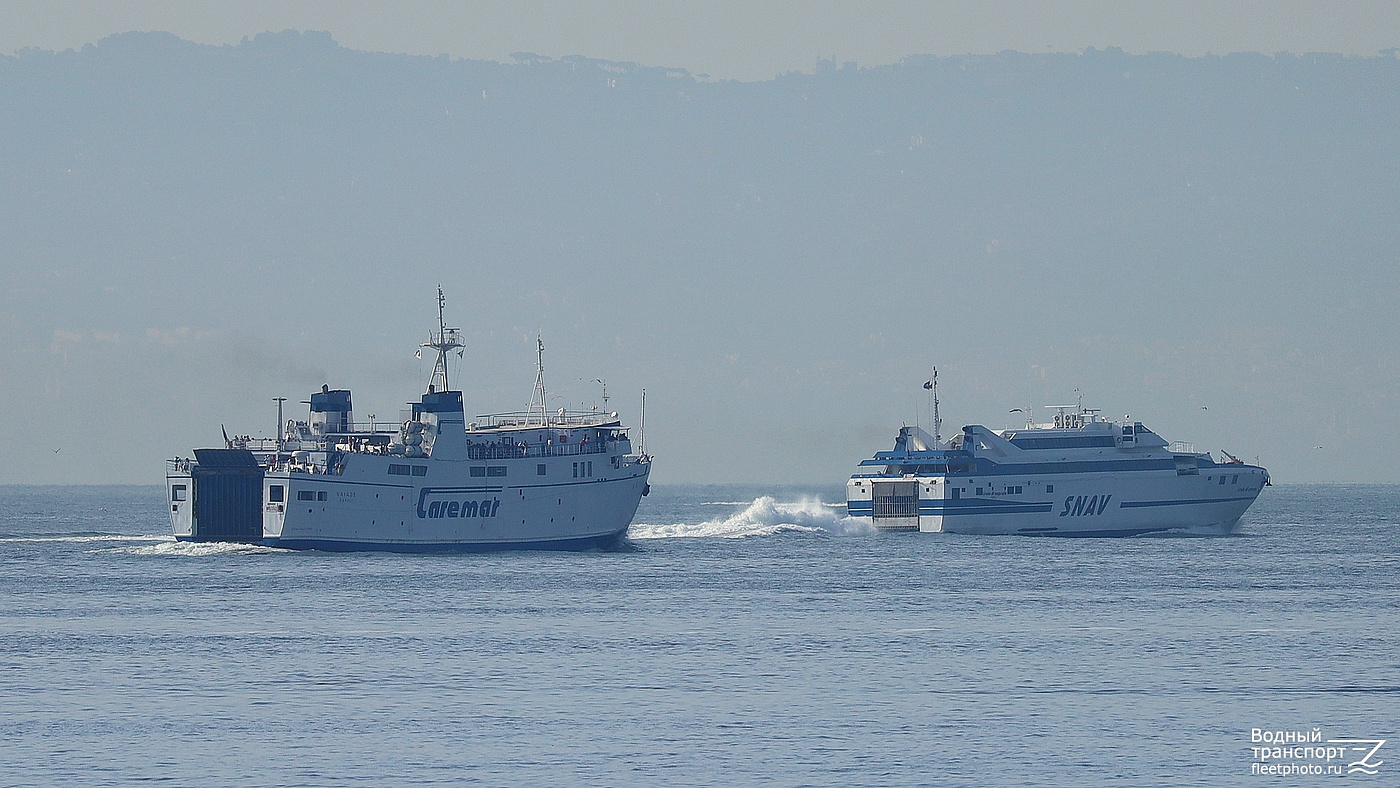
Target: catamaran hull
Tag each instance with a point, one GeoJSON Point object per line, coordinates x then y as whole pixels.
{"type": "Point", "coordinates": [1066, 505]}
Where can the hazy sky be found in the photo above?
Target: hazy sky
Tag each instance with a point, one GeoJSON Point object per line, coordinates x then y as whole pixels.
{"type": "Point", "coordinates": [731, 39]}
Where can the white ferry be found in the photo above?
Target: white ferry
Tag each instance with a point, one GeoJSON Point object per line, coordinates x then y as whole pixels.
{"type": "Point", "coordinates": [1078, 475]}
{"type": "Point", "coordinates": [432, 482]}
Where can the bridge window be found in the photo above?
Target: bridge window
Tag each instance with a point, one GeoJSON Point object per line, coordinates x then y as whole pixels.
{"type": "Point", "coordinates": [479, 471]}
{"type": "Point", "coordinates": [307, 495]}
{"type": "Point", "coordinates": [321, 496]}
{"type": "Point", "coordinates": [178, 492]}
{"type": "Point", "coordinates": [274, 493]}
{"type": "Point", "coordinates": [496, 470]}
{"type": "Point", "coordinates": [398, 470]}
{"type": "Point", "coordinates": [420, 470]}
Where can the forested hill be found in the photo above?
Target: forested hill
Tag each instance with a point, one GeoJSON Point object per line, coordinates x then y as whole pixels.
{"type": "Point", "coordinates": [1156, 229]}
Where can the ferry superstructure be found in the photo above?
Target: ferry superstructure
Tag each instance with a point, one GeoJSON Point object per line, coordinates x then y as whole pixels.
{"type": "Point", "coordinates": [434, 482]}
{"type": "Point", "coordinates": [1078, 475]}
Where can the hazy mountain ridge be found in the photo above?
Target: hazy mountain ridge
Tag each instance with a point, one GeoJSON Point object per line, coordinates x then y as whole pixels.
{"type": "Point", "coordinates": [1161, 231]}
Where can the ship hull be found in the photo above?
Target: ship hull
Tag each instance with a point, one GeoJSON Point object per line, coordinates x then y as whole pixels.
{"type": "Point", "coordinates": [526, 504]}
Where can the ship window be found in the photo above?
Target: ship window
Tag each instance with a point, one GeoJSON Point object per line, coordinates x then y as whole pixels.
{"type": "Point", "coordinates": [420, 470]}
{"type": "Point", "coordinates": [1222, 479]}
{"type": "Point", "coordinates": [274, 493]}
{"type": "Point", "coordinates": [1235, 479]}
{"type": "Point", "coordinates": [957, 492]}
{"type": "Point", "coordinates": [398, 470]}
{"type": "Point", "coordinates": [321, 496]}
{"type": "Point", "coordinates": [496, 470]}
{"type": "Point", "coordinates": [479, 471]}
{"type": "Point", "coordinates": [177, 492]}
{"type": "Point", "coordinates": [1049, 488]}
{"type": "Point", "coordinates": [306, 495]}
{"type": "Point", "coordinates": [575, 470]}
{"type": "Point", "coordinates": [540, 469]}
{"type": "Point", "coordinates": [979, 490]}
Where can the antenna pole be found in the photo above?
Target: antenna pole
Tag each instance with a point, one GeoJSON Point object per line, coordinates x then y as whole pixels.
{"type": "Point", "coordinates": [442, 335]}
{"type": "Point", "coordinates": [642, 432]}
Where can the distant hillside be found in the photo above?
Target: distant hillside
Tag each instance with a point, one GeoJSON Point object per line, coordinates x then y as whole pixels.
{"type": "Point", "coordinates": [189, 230]}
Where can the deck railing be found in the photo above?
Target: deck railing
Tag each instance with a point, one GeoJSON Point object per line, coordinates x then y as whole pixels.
{"type": "Point", "coordinates": [569, 418]}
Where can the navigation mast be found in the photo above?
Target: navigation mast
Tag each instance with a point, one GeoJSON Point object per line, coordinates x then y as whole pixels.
{"type": "Point", "coordinates": [539, 392]}
{"type": "Point", "coordinates": [443, 341]}
{"type": "Point", "coordinates": [937, 420]}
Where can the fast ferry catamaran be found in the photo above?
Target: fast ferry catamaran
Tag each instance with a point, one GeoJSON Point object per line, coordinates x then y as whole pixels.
{"type": "Point", "coordinates": [529, 480]}
{"type": "Point", "coordinates": [1078, 475]}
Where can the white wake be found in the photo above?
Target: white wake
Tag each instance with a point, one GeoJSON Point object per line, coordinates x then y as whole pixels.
{"type": "Point", "coordinates": [87, 538]}
{"type": "Point", "coordinates": [763, 517]}
{"type": "Point", "coordinates": [169, 548]}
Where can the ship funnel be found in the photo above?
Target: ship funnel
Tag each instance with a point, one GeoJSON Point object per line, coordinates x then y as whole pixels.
{"type": "Point", "coordinates": [915, 439]}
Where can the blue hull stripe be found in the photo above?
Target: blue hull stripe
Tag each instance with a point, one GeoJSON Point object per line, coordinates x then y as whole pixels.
{"type": "Point", "coordinates": [605, 541]}
{"type": "Point", "coordinates": [865, 509]}
{"type": "Point", "coordinates": [1142, 504]}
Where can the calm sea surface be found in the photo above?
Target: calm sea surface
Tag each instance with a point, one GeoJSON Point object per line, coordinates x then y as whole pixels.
{"type": "Point", "coordinates": [753, 636]}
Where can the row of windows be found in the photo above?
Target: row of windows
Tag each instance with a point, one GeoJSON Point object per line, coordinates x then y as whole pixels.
{"type": "Point", "coordinates": [305, 495]}
{"type": "Point", "coordinates": [1073, 442]}
{"type": "Point", "coordinates": [1015, 489]}
{"type": "Point", "coordinates": [406, 470]}
{"type": "Point", "coordinates": [1233, 479]}
{"type": "Point", "coordinates": [1011, 489]}
{"type": "Point", "coordinates": [489, 470]}
{"type": "Point", "coordinates": [583, 470]}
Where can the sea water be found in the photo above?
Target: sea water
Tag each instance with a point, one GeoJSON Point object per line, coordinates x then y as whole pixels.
{"type": "Point", "coordinates": [750, 636]}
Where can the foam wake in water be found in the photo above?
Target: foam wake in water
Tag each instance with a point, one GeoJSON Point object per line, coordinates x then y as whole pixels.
{"type": "Point", "coordinates": [169, 548]}
{"type": "Point", "coordinates": [763, 517]}
{"type": "Point", "coordinates": [85, 538]}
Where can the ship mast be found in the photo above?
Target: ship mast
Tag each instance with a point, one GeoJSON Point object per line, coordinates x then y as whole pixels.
{"type": "Point", "coordinates": [443, 341]}
{"type": "Point", "coordinates": [538, 393]}
{"type": "Point", "coordinates": [937, 421]}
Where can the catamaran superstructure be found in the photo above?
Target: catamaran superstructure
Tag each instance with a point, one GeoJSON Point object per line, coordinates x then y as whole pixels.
{"type": "Point", "coordinates": [527, 480]}
{"type": "Point", "coordinates": [1078, 475]}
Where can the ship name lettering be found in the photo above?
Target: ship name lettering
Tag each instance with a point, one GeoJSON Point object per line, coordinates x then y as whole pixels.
{"type": "Point", "coordinates": [456, 509]}
{"type": "Point", "coordinates": [1080, 505]}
